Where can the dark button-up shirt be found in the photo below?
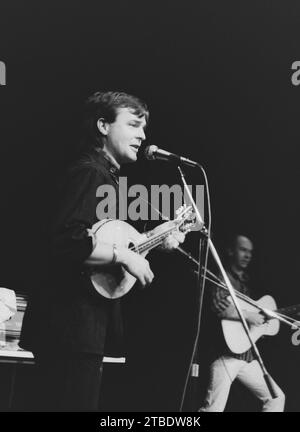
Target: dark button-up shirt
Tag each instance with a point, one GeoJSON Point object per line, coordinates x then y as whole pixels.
{"type": "Point", "coordinates": [66, 312]}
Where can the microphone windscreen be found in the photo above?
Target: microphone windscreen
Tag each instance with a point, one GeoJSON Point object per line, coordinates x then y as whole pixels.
{"type": "Point", "coordinates": [150, 152]}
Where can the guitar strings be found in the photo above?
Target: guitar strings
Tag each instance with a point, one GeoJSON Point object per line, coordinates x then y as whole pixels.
{"type": "Point", "coordinates": [284, 317]}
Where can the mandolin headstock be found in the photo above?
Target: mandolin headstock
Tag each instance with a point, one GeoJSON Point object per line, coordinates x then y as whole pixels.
{"type": "Point", "coordinates": [185, 218]}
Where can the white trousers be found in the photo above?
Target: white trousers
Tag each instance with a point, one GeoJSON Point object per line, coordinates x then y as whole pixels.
{"type": "Point", "coordinates": [225, 370]}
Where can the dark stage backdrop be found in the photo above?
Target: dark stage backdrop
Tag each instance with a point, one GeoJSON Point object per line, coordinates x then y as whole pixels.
{"type": "Point", "coordinates": [217, 77]}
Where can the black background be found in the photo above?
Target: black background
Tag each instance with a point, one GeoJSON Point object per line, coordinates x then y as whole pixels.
{"type": "Point", "coordinates": [217, 78]}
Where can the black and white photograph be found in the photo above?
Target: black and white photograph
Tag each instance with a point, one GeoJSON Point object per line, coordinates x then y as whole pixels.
{"type": "Point", "coordinates": [149, 208]}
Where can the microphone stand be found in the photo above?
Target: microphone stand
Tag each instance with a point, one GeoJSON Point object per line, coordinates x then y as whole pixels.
{"type": "Point", "coordinates": [201, 279]}
{"type": "Point", "coordinates": [201, 282]}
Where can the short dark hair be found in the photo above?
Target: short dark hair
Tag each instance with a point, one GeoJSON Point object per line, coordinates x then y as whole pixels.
{"type": "Point", "coordinates": [232, 240]}
{"type": "Point", "coordinates": [105, 105]}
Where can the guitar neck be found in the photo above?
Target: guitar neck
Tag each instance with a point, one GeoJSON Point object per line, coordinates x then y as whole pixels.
{"type": "Point", "coordinates": [289, 309]}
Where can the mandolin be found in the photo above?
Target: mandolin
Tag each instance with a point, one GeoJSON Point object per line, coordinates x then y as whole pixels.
{"type": "Point", "coordinates": [114, 282]}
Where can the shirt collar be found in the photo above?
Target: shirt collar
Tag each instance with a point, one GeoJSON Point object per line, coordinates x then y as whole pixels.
{"type": "Point", "coordinates": [242, 277]}
{"type": "Point", "coordinates": [111, 163]}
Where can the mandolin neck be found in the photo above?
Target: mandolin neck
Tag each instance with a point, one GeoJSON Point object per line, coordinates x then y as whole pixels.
{"type": "Point", "coordinates": [152, 242]}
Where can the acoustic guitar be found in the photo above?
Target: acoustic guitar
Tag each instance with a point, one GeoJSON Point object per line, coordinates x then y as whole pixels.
{"type": "Point", "coordinates": [234, 333]}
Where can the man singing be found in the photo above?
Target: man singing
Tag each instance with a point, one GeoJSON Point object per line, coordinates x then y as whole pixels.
{"type": "Point", "coordinates": [68, 324]}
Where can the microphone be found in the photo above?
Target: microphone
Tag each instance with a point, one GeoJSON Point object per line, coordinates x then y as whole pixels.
{"type": "Point", "coordinates": [152, 152]}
